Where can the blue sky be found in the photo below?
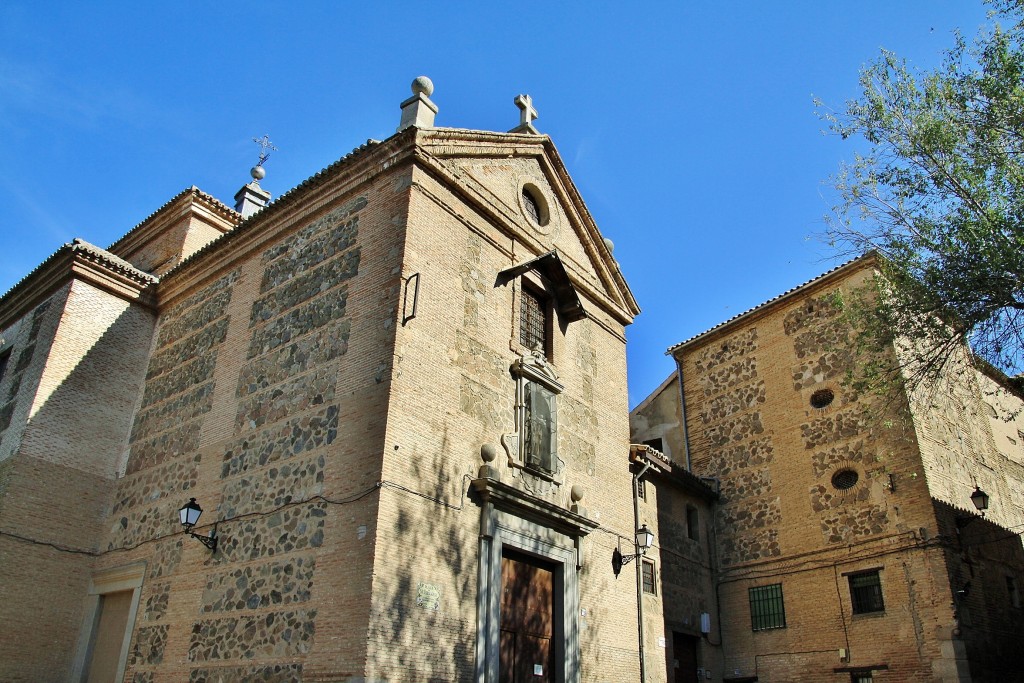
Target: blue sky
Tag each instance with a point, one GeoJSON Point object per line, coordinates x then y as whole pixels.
{"type": "Point", "coordinates": [688, 127]}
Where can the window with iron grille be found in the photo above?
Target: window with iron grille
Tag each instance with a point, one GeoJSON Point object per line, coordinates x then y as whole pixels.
{"type": "Point", "coordinates": [647, 574]}
{"type": "Point", "coordinates": [641, 489]}
{"type": "Point", "coordinates": [866, 592]}
{"type": "Point", "coordinates": [861, 677]}
{"type": "Point", "coordinates": [533, 321]}
{"type": "Point", "coordinates": [766, 607]}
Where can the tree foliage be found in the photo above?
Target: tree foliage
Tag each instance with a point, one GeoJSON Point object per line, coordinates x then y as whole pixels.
{"type": "Point", "coordinates": [939, 196]}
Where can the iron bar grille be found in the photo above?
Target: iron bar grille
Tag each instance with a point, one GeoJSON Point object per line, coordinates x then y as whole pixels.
{"type": "Point", "coordinates": [533, 322]}
{"type": "Point", "coordinates": [647, 574]}
{"type": "Point", "coordinates": [766, 607]}
{"type": "Point", "coordinates": [866, 593]}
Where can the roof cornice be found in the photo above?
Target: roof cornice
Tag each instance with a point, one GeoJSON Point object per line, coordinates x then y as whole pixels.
{"type": "Point", "coordinates": [77, 260]}
{"type": "Point", "coordinates": [824, 280]}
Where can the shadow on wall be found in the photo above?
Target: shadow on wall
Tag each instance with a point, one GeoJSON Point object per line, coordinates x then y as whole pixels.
{"type": "Point", "coordinates": [985, 562]}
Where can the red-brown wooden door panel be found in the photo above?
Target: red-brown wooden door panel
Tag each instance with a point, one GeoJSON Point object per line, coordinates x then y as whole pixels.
{"type": "Point", "coordinates": [527, 609]}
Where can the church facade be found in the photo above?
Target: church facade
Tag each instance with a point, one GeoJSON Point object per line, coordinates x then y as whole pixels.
{"type": "Point", "coordinates": [398, 395]}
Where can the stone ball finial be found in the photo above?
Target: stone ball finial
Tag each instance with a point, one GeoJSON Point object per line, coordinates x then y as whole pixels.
{"type": "Point", "coordinates": [424, 85]}
{"type": "Point", "coordinates": [488, 452]}
{"type": "Point", "coordinates": [611, 245]}
{"type": "Point", "coordinates": [258, 173]}
{"type": "Point", "coordinates": [576, 493]}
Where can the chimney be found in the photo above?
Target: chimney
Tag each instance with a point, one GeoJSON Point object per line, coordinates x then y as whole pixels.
{"type": "Point", "coordinates": [251, 198]}
{"type": "Point", "coordinates": [418, 110]}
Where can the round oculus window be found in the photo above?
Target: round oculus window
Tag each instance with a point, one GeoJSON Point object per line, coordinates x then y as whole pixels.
{"type": "Point", "coordinates": [845, 479]}
{"type": "Point", "coordinates": [535, 206]}
{"type": "Point", "coordinates": [822, 398]}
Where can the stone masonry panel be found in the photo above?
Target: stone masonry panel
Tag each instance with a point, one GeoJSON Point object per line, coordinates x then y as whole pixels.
{"type": "Point", "coordinates": [294, 528]}
{"type": "Point", "coordinates": [827, 336]}
{"type": "Point", "coordinates": [273, 487]}
{"type": "Point", "coordinates": [850, 523]}
{"type": "Point", "coordinates": [823, 461]}
{"type": "Point", "coordinates": [735, 429]}
{"type": "Point", "coordinates": [750, 514]}
{"type": "Point", "coordinates": [720, 379]}
{"type": "Point", "coordinates": [145, 454]}
{"type": "Point", "coordinates": [172, 479]}
{"type": "Point", "coordinates": [757, 545]}
{"type": "Point", "coordinates": [309, 352]}
{"type": "Point", "coordinates": [190, 374]}
{"type": "Point", "coordinates": [731, 349]}
{"type": "Point", "coordinates": [817, 370]}
{"type": "Point", "coordinates": [489, 408]}
{"type": "Point", "coordinates": [749, 484]}
{"type": "Point", "coordinates": [305, 287]}
{"type": "Point", "coordinates": [811, 311]}
{"type": "Point", "coordinates": [165, 558]}
{"type": "Point", "coordinates": [299, 321]}
{"type": "Point", "coordinates": [727, 461]}
{"type": "Point", "coordinates": [269, 585]}
{"type": "Point", "coordinates": [288, 439]}
{"type": "Point", "coordinates": [187, 406]}
{"type": "Point", "coordinates": [156, 603]}
{"type": "Point", "coordinates": [825, 497]}
{"type": "Point", "coordinates": [316, 236]}
{"type": "Point", "coordinates": [149, 645]}
{"type": "Point", "coordinates": [825, 430]}
{"type": "Point", "coordinates": [174, 327]}
{"type": "Point", "coordinates": [271, 635]}
{"type": "Point", "coordinates": [289, 398]}
{"type": "Point", "coordinates": [272, 673]}
{"type": "Point", "coordinates": [479, 362]}
{"type": "Point", "coordinates": [191, 347]}
{"type": "Point", "coordinates": [740, 398]}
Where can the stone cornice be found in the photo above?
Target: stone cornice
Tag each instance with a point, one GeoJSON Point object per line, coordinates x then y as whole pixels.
{"type": "Point", "coordinates": [81, 261]}
{"type": "Point", "coordinates": [442, 143]}
{"type": "Point", "coordinates": [189, 201]}
{"type": "Point", "coordinates": [259, 230]}
{"type": "Point", "coordinates": [511, 499]}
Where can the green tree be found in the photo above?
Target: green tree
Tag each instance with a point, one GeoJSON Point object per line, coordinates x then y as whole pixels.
{"type": "Point", "coordinates": [939, 196]}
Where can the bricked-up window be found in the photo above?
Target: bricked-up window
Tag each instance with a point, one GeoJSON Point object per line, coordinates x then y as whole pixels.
{"type": "Point", "coordinates": [541, 423]}
{"type": "Point", "coordinates": [1013, 591]}
{"type": "Point", "coordinates": [766, 607]}
{"type": "Point", "coordinates": [866, 592]}
{"type": "Point", "coordinates": [534, 321]}
{"type": "Point", "coordinates": [647, 574]}
{"type": "Point", "coordinates": [692, 523]}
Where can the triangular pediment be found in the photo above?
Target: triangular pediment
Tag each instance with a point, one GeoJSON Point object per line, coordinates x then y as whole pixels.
{"type": "Point", "coordinates": [503, 174]}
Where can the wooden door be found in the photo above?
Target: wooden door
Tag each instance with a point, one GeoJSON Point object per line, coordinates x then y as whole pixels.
{"type": "Point", "coordinates": [684, 650]}
{"type": "Point", "coordinates": [527, 622]}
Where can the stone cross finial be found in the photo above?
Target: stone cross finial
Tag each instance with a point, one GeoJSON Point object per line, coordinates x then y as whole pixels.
{"type": "Point", "coordinates": [527, 114]}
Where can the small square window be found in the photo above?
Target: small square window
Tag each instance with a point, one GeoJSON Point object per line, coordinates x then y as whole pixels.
{"type": "Point", "coordinates": [767, 609]}
{"type": "Point", "coordinates": [641, 489]}
{"type": "Point", "coordinates": [861, 677]}
{"type": "Point", "coordinates": [647, 574]}
{"type": "Point", "coordinates": [866, 592]}
{"type": "Point", "coordinates": [656, 444]}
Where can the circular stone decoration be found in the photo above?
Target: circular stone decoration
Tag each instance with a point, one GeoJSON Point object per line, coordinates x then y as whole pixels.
{"type": "Point", "coordinates": [845, 479]}
{"type": "Point", "coordinates": [822, 398]}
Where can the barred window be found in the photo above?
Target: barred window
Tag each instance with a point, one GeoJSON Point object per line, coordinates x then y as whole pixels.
{"type": "Point", "coordinates": [533, 321]}
{"type": "Point", "coordinates": [861, 677]}
{"type": "Point", "coordinates": [647, 574]}
{"type": "Point", "coordinates": [767, 609]}
{"type": "Point", "coordinates": [541, 424]}
{"type": "Point", "coordinates": [866, 592]}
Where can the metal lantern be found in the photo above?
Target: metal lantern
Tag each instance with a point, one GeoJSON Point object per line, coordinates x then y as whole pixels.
{"type": "Point", "coordinates": [980, 499]}
{"type": "Point", "coordinates": [190, 513]}
{"type": "Point", "coordinates": [644, 537]}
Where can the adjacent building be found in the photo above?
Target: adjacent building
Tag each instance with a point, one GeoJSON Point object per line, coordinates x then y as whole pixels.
{"type": "Point", "coordinates": [846, 545]}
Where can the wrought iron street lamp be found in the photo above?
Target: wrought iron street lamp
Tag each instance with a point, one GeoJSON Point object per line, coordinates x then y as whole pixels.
{"type": "Point", "coordinates": [189, 516]}
{"type": "Point", "coordinates": [643, 540]}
